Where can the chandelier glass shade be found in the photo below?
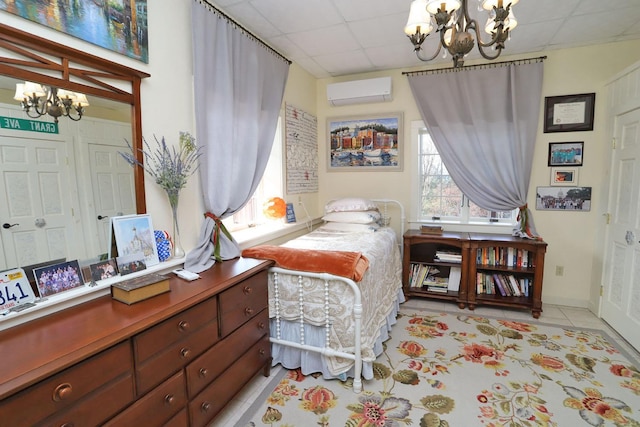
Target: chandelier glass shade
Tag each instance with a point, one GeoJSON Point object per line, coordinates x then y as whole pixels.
{"type": "Point", "coordinates": [459, 33]}
{"type": "Point", "coordinates": [37, 100]}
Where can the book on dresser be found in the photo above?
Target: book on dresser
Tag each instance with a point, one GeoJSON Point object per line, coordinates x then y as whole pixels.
{"type": "Point", "coordinates": [140, 288]}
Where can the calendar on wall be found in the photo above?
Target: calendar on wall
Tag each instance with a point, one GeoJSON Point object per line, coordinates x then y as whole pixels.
{"type": "Point", "coordinates": [301, 140]}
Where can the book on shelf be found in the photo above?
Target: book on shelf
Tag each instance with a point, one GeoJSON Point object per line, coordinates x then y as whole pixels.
{"type": "Point", "coordinates": [455, 274]}
{"type": "Point", "coordinates": [448, 256]}
{"type": "Point", "coordinates": [140, 288]}
{"type": "Point", "coordinates": [431, 229]}
{"type": "Point", "coordinates": [499, 285]}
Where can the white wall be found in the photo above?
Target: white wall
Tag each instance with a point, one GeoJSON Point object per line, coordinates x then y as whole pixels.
{"type": "Point", "coordinates": [572, 236]}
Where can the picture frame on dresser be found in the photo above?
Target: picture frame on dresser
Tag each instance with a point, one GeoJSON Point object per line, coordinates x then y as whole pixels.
{"type": "Point", "coordinates": [134, 234]}
{"type": "Point", "coordinates": [57, 278]}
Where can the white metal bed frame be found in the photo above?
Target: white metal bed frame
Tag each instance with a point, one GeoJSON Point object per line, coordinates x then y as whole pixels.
{"type": "Point", "coordinates": [326, 350]}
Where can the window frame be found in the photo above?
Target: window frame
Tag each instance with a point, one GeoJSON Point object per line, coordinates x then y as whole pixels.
{"type": "Point", "coordinates": [464, 221]}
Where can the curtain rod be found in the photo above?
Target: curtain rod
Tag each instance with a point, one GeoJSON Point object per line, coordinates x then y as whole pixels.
{"type": "Point", "coordinates": [243, 29]}
{"type": "Point", "coordinates": [481, 66]}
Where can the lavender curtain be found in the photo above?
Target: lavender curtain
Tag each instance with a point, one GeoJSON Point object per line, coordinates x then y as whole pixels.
{"type": "Point", "coordinates": [484, 121]}
{"type": "Point", "coordinates": [239, 85]}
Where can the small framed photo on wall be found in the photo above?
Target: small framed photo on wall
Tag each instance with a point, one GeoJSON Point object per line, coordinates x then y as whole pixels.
{"type": "Point", "coordinates": [564, 176]}
{"type": "Point", "coordinates": [566, 153]}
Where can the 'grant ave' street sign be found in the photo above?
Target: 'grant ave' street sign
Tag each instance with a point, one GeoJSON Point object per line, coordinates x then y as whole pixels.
{"type": "Point", "coordinates": [27, 125]}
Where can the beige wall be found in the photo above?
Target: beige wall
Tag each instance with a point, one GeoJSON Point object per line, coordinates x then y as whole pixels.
{"type": "Point", "coordinates": [574, 238]}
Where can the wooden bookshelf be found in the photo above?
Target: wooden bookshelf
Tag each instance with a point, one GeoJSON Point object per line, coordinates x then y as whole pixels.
{"type": "Point", "coordinates": [421, 249]}
{"type": "Point", "coordinates": [520, 262]}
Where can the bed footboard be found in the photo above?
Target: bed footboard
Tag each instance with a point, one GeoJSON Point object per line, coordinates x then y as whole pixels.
{"type": "Point", "coordinates": [325, 350]}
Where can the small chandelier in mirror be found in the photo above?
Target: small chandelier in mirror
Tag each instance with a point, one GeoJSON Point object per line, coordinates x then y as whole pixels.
{"type": "Point", "coordinates": [37, 100]}
{"type": "Point", "coordinates": [458, 32]}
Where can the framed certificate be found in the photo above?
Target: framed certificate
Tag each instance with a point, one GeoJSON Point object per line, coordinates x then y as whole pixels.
{"type": "Point", "coordinates": [569, 113]}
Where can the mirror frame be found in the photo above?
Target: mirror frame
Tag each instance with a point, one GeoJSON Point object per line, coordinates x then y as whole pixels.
{"type": "Point", "coordinates": [36, 59]}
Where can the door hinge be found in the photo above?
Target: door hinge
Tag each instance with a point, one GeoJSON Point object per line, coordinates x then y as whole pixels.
{"type": "Point", "coordinates": [613, 143]}
{"type": "Point", "coordinates": [601, 290]}
{"type": "Point", "coordinates": [607, 218]}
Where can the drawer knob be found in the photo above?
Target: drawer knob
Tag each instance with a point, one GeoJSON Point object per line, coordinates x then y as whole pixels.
{"type": "Point", "coordinates": [205, 406]}
{"type": "Point", "coordinates": [203, 372]}
{"type": "Point", "coordinates": [185, 352]}
{"type": "Point", "coordinates": [261, 351]}
{"type": "Point", "coordinates": [183, 325]}
{"type": "Point", "coordinates": [247, 290]}
{"type": "Point", "coordinates": [169, 399]}
{"type": "Point", "coordinates": [248, 311]}
{"type": "Point", "coordinates": [261, 325]}
{"type": "Point", "coordinates": [63, 391]}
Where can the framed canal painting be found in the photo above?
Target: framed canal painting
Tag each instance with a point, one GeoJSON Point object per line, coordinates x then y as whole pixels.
{"type": "Point", "coordinates": [117, 25]}
{"type": "Point", "coordinates": [365, 143]}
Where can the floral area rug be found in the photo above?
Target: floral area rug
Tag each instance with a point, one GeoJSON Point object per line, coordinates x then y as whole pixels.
{"type": "Point", "coordinates": [442, 369]}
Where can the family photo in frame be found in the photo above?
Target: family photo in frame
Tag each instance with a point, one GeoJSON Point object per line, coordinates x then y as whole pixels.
{"type": "Point", "coordinates": [563, 198]}
{"type": "Point", "coordinates": [57, 278]}
{"type": "Point", "coordinates": [566, 153]}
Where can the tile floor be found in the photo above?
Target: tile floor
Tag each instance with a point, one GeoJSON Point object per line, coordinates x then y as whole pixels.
{"type": "Point", "coordinates": [559, 315]}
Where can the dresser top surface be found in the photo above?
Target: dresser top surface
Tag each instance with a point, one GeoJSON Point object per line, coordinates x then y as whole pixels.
{"type": "Point", "coordinates": [37, 349]}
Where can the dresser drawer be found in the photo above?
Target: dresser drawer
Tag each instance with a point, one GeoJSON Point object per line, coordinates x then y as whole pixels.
{"type": "Point", "coordinates": [150, 342]}
{"type": "Point", "coordinates": [243, 301]}
{"type": "Point", "coordinates": [96, 408]}
{"type": "Point", "coordinates": [154, 409]}
{"type": "Point", "coordinates": [212, 399]}
{"type": "Point", "coordinates": [181, 419]}
{"type": "Point", "coordinates": [174, 357]}
{"type": "Point", "coordinates": [207, 367]}
{"type": "Point", "coordinates": [68, 387]}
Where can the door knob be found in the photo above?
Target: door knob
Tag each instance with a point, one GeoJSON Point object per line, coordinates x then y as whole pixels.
{"type": "Point", "coordinates": [7, 225]}
{"type": "Point", "coordinates": [103, 216]}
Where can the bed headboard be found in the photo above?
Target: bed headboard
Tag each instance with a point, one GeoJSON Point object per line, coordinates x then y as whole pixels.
{"type": "Point", "coordinates": [392, 215]}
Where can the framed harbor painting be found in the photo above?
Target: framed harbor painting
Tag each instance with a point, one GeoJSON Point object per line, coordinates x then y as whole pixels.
{"type": "Point", "coordinates": [117, 25]}
{"type": "Point", "coordinates": [365, 143]}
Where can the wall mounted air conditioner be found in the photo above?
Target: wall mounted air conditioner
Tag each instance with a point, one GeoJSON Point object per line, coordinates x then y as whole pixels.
{"type": "Point", "coordinates": [359, 91]}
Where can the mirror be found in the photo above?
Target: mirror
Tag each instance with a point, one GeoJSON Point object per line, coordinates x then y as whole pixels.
{"type": "Point", "coordinates": [69, 191]}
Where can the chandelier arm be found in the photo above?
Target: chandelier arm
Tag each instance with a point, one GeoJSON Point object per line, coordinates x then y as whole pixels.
{"type": "Point", "coordinates": [481, 45]}
{"type": "Point", "coordinates": [437, 52]}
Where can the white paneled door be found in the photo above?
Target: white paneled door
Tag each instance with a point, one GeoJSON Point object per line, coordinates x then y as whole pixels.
{"type": "Point", "coordinates": [37, 222]}
{"type": "Point", "coordinates": [113, 187]}
{"type": "Point", "coordinates": [621, 282]}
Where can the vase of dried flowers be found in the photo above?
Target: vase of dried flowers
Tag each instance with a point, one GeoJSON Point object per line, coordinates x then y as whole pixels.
{"type": "Point", "coordinates": [170, 169]}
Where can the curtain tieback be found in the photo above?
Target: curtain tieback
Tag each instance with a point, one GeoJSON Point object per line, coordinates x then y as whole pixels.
{"type": "Point", "coordinates": [523, 219]}
{"type": "Point", "coordinates": [218, 227]}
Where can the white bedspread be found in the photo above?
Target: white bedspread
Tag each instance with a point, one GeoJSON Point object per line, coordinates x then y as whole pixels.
{"type": "Point", "coordinates": [380, 287]}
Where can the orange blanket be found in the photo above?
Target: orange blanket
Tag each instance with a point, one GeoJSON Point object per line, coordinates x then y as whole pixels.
{"type": "Point", "coordinates": [351, 265]}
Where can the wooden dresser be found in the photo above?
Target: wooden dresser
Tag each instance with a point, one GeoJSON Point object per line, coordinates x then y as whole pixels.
{"type": "Point", "coordinates": [176, 359]}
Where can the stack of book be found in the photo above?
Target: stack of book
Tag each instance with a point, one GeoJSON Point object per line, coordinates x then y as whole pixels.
{"type": "Point", "coordinates": [445, 255]}
{"type": "Point", "coordinates": [140, 288]}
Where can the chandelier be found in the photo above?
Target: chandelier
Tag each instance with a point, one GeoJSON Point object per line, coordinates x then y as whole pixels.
{"type": "Point", "coordinates": [37, 100]}
{"type": "Point", "coordinates": [457, 29]}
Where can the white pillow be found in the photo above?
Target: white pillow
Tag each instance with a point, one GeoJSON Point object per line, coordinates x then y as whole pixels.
{"type": "Point", "coordinates": [345, 226]}
{"type": "Point", "coordinates": [363, 217]}
{"type": "Point", "coordinates": [350, 204]}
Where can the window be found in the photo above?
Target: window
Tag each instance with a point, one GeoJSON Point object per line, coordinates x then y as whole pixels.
{"type": "Point", "coordinates": [270, 186]}
{"type": "Point", "coordinates": [440, 199]}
